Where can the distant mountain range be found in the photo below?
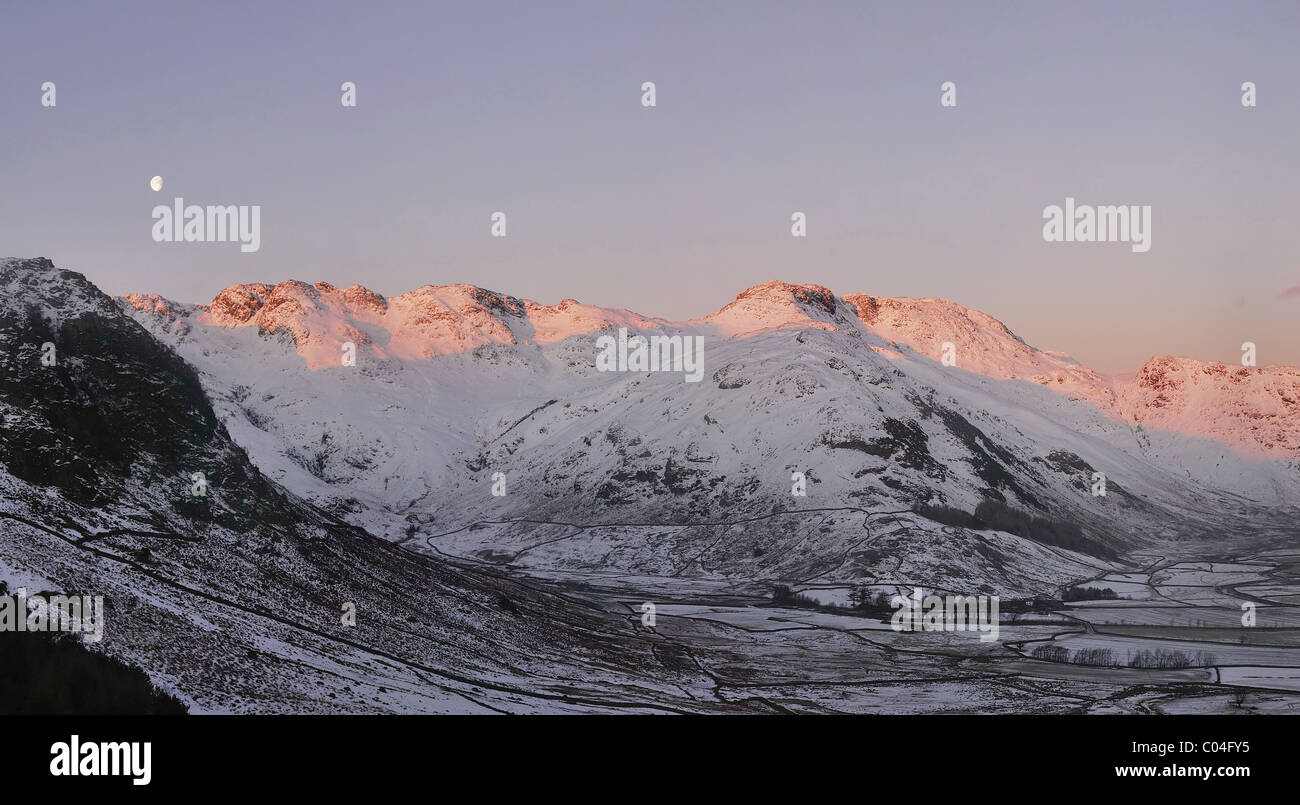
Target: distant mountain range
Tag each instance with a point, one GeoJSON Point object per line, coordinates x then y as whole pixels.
{"type": "Point", "coordinates": [455, 383]}
{"type": "Point", "coordinates": [1255, 410]}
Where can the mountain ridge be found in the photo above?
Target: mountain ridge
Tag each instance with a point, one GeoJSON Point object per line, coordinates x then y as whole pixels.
{"type": "Point", "coordinates": [433, 321]}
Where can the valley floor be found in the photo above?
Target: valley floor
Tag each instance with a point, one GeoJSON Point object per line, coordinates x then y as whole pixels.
{"type": "Point", "coordinates": [1183, 602]}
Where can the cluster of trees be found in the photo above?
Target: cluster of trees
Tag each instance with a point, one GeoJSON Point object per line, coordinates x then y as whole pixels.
{"type": "Point", "coordinates": [1059, 533]}
{"type": "Point", "coordinates": [782, 594]}
{"type": "Point", "coordinates": [949, 515]}
{"type": "Point", "coordinates": [1084, 656]}
{"type": "Point", "coordinates": [994, 514]}
{"type": "Point", "coordinates": [862, 597]}
{"type": "Point", "coordinates": [1164, 658]}
{"type": "Point", "coordinates": [1089, 594]}
{"type": "Point", "coordinates": [1145, 658]}
{"type": "Point", "coordinates": [1095, 656]}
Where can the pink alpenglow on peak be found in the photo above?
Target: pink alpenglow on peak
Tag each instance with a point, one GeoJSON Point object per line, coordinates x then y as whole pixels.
{"type": "Point", "coordinates": [981, 344]}
{"type": "Point", "coordinates": [777, 305]}
{"type": "Point", "coordinates": [1259, 407]}
{"type": "Point", "coordinates": [424, 323]}
{"type": "Point", "coordinates": [1254, 411]}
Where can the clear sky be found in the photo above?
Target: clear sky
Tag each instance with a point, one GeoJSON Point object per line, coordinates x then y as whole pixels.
{"type": "Point", "coordinates": [763, 108]}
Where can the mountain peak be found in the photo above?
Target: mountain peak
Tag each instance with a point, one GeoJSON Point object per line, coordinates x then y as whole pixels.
{"type": "Point", "coordinates": [804, 294]}
{"type": "Point", "coordinates": [777, 305]}
{"type": "Point", "coordinates": [1240, 405]}
{"type": "Point", "coordinates": [36, 282]}
{"type": "Point", "coordinates": [427, 321]}
{"type": "Point", "coordinates": [895, 311]}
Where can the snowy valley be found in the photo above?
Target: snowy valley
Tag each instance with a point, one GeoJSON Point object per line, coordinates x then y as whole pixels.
{"type": "Point", "coordinates": [452, 461]}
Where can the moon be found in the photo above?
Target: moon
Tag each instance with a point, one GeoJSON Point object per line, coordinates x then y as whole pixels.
{"type": "Point", "coordinates": [156, 183]}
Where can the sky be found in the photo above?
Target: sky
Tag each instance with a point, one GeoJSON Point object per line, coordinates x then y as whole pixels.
{"type": "Point", "coordinates": [762, 109]}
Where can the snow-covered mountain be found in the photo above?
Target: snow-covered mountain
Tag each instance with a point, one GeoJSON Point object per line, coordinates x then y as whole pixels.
{"type": "Point", "coordinates": [424, 323]}
{"type": "Point", "coordinates": [1211, 399]}
{"type": "Point", "coordinates": [981, 344]}
{"type": "Point", "coordinates": [1257, 410]}
{"type": "Point", "coordinates": [455, 384]}
{"type": "Point", "coordinates": [234, 599]}
{"type": "Point", "coordinates": [618, 487]}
